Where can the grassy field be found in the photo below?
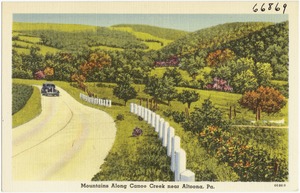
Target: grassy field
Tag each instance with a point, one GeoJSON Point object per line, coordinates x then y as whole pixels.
{"type": "Point", "coordinates": [26, 46]}
{"type": "Point", "coordinates": [161, 70]}
{"type": "Point", "coordinates": [18, 26]}
{"type": "Point", "coordinates": [145, 36]}
{"type": "Point", "coordinates": [106, 48]}
{"type": "Point", "coordinates": [30, 39]}
{"type": "Point", "coordinates": [30, 110]}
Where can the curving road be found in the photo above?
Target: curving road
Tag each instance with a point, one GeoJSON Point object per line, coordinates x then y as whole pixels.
{"type": "Point", "coordinates": [67, 141]}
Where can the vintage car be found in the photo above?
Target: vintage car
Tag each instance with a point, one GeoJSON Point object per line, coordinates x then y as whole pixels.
{"type": "Point", "coordinates": [49, 89]}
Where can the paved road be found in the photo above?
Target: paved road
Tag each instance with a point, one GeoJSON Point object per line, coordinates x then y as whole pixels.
{"type": "Point", "coordinates": [67, 141]}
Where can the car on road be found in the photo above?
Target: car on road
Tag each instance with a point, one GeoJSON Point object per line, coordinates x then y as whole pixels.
{"type": "Point", "coordinates": [49, 89]}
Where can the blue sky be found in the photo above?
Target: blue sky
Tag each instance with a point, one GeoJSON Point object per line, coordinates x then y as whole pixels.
{"type": "Point", "coordinates": [187, 22]}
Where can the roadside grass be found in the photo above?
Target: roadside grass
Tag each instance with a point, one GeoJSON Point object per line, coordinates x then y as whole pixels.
{"type": "Point", "coordinates": [31, 110]}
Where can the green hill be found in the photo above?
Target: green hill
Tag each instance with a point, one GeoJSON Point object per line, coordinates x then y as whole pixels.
{"type": "Point", "coordinates": [22, 26]}
{"type": "Point", "coordinates": [70, 37]}
{"type": "Point", "coordinates": [164, 33]}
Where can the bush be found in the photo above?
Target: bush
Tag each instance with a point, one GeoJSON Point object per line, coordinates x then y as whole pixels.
{"type": "Point", "coordinates": [120, 117]}
{"type": "Point", "coordinates": [200, 118]}
{"type": "Point", "coordinates": [168, 113]}
{"type": "Point", "coordinates": [20, 93]}
{"type": "Point", "coordinates": [137, 132]}
{"type": "Point", "coordinates": [25, 74]}
{"type": "Point", "coordinates": [249, 163]}
{"type": "Point", "coordinates": [178, 117]}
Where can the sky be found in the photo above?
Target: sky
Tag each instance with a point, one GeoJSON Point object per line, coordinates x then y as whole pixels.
{"type": "Point", "coordinates": [186, 22]}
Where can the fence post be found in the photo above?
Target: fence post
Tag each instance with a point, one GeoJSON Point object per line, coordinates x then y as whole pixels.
{"type": "Point", "coordinates": [131, 107]}
{"type": "Point", "coordinates": [139, 110]}
{"type": "Point", "coordinates": [146, 114]}
{"type": "Point", "coordinates": [157, 118]}
{"type": "Point", "coordinates": [175, 147]}
{"type": "Point", "coordinates": [153, 117]}
{"type": "Point", "coordinates": [165, 133]}
{"type": "Point", "coordinates": [171, 134]}
{"type": "Point", "coordinates": [135, 108]}
{"type": "Point", "coordinates": [149, 116]}
{"type": "Point", "coordinates": [142, 112]}
{"type": "Point", "coordinates": [161, 126]}
{"type": "Point", "coordinates": [187, 176]}
{"type": "Point", "coordinates": [109, 103]}
{"type": "Point", "coordinates": [180, 165]}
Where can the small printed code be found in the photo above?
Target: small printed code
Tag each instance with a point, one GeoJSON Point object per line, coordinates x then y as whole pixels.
{"type": "Point", "coordinates": [280, 185]}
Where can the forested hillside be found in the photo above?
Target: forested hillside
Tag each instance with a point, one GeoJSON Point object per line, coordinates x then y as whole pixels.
{"type": "Point", "coordinates": [215, 53]}
{"type": "Point", "coordinates": [73, 40]}
{"type": "Point", "coordinates": [267, 45]}
{"type": "Point", "coordinates": [211, 37]}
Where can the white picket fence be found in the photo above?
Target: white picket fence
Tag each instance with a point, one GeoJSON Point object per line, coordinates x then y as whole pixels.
{"type": "Point", "coordinates": [95, 101]}
{"type": "Point", "coordinates": [169, 140]}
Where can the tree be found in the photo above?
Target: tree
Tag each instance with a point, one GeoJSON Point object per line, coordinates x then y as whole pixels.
{"type": "Point", "coordinates": [200, 118]}
{"type": "Point", "coordinates": [188, 97]}
{"type": "Point", "coordinates": [161, 89]}
{"type": "Point", "coordinates": [244, 81]}
{"type": "Point", "coordinates": [218, 57]}
{"type": "Point", "coordinates": [265, 99]}
{"type": "Point", "coordinates": [168, 89]}
{"type": "Point", "coordinates": [124, 90]}
{"type": "Point", "coordinates": [175, 74]}
{"type": "Point", "coordinates": [49, 72]}
{"type": "Point", "coordinates": [33, 61]}
{"type": "Point", "coordinates": [152, 87]}
{"type": "Point", "coordinates": [264, 73]}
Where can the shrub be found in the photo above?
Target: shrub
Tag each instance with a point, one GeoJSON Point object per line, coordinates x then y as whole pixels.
{"type": "Point", "coordinates": [178, 117]}
{"type": "Point", "coordinates": [167, 113]}
{"type": "Point", "coordinates": [249, 163]}
{"type": "Point", "coordinates": [20, 93]}
{"type": "Point", "coordinates": [120, 117]}
{"type": "Point", "coordinates": [200, 118]}
{"type": "Point", "coordinates": [137, 132]}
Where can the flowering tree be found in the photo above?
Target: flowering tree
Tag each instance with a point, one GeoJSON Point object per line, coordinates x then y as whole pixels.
{"type": "Point", "coordinates": [219, 84]}
{"type": "Point", "coordinates": [39, 75]}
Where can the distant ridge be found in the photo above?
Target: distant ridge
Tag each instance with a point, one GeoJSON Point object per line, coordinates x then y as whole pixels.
{"type": "Point", "coordinates": [165, 33]}
{"type": "Point", "coordinates": [23, 26]}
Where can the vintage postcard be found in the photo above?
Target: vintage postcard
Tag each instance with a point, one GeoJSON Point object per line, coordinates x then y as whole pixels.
{"type": "Point", "coordinates": [150, 96]}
